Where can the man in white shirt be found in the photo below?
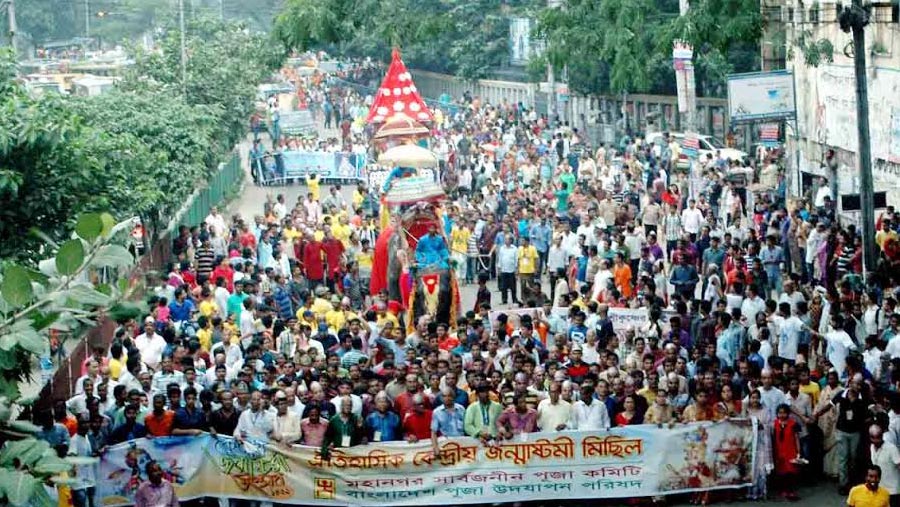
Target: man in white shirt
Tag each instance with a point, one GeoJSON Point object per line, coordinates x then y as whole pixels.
{"type": "Point", "coordinates": [885, 455]}
{"type": "Point", "coordinates": [838, 344]}
{"type": "Point", "coordinates": [752, 305]}
{"type": "Point", "coordinates": [286, 428]}
{"type": "Point", "coordinates": [345, 390]}
{"type": "Point", "coordinates": [507, 265]}
{"type": "Point", "coordinates": [789, 338]}
{"type": "Point", "coordinates": [216, 222]}
{"type": "Point", "coordinates": [554, 413]}
{"type": "Point", "coordinates": [254, 423]}
{"type": "Point", "coordinates": [588, 413]}
{"type": "Point", "coordinates": [692, 220]}
{"type": "Point", "coordinates": [823, 192]}
{"type": "Point", "coordinates": [150, 344]}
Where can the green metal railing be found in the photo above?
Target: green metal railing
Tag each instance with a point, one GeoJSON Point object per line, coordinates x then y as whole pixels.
{"type": "Point", "coordinates": [225, 181]}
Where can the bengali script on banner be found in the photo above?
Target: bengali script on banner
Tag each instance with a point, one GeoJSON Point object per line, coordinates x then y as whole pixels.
{"type": "Point", "coordinates": [623, 462]}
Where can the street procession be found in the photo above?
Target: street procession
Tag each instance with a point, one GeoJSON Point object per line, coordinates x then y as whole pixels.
{"type": "Point", "coordinates": [400, 283]}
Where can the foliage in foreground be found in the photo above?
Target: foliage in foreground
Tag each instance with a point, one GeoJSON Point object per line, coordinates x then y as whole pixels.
{"type": "Point", "coordinates": [56, 296]}
{"type": "Point", "coordinates": [138, 151]}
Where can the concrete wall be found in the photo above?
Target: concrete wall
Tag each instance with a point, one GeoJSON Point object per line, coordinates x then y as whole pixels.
{"type": "Point", "coordinates": [599, 116]}
{"type": "Point", "coordinates": [826, 99]}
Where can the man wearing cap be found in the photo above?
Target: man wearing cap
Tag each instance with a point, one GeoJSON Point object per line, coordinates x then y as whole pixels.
{"type": "Point", "coordinates": [286, 429]}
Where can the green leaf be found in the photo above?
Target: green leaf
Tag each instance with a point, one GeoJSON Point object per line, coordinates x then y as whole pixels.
{"type": "Point", "coordinates": [70, 257]}
{"type": "Point", "coordinates": [87, 295]}
{"type": "Point", "coordinates": [9, 388]}
{"type": "Point", "coordinates": [32, 341]}
{"type": "Point", "coordinates": [16, 286]}
{"type": "Point", "coordinates": [38, 277]}
{"type": "Point", "coordinates": [8, 359]}
{"type": "Point", "coordinates": [108, 223]}
{"type": "Point", "coordinates": [41, 320]}
{"type": "Point", "coordinates": [24, 426]}
{"type": "Point", "coordinates": [52, 465]}
{"type": "Point", "coordinates": [18, 486]}
{"type": "Point", "coordinates": [89, 226]}
{"type": "Point", "coordinates": [27, 450]}
{"type": "Point", "coordinates": [8, 342]}
{"type": "Point", "coordinates": [113, 256]}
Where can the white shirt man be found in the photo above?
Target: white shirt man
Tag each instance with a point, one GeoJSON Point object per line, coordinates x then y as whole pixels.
{"type": "Point", "coordinates": [216, 223]}
{"type": "Point", "coordinates": [151, 348]}
{"type": "Point", "coordinates": [839, 346]}
{"type": "Point", "coordinates": [790, 338]}
{"type": "Point", "coordinates": [691, 219]}
{"type": "Point", "coordinates": [552, 416]}
{"type": "Point", "coordinates": [589, 415]}
{"type": "Point", "coordinates": [507, 258]}
{"type": "Point", "coordinates": [556, 258]}
{"type": "Point", "coordinates": [885, 455]}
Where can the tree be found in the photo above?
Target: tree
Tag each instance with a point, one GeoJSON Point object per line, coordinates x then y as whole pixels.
{"type": "Point", "coordinates": [633, 50]}
{"type": "Point", "coordinates": [139, 150]}
{"type": "Point", "coordinates": [466, 38]}
{"type": "Point", "coordinates": [33, 301]}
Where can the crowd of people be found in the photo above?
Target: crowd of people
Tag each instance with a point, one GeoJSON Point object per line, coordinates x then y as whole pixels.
{"type": "Point", "coordinates": [265, 329]}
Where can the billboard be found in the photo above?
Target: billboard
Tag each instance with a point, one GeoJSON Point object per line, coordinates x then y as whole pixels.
{"type": "Point", "coordinates": [761, 96]}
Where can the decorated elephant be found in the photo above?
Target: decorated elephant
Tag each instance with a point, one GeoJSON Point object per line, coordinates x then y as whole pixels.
{"type": "Point", "coordinates": [428, 289]}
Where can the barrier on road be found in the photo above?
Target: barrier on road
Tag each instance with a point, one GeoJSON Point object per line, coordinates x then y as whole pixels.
{"type": "Point", "coordinates": [337, 167]}
{"type": "Point", "coordinates": [622, 462]}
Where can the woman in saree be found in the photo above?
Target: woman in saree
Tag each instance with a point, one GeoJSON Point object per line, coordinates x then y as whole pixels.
{"type": "Point", "coordinates": [827, 422]}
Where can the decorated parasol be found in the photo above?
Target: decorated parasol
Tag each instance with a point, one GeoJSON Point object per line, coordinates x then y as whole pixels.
{"type": "Point", "coordinates": [397, 94]}
{"type": "Point", "coordinates": [401, 125]}
{"type": "Point", "coordinates": [408, 155]}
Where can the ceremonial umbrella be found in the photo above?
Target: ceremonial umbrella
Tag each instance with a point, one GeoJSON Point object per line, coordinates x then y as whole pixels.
{"type": "Point", "coordinates": [401, 125]}
{"type": "Point", "coordinates": [408, 155]}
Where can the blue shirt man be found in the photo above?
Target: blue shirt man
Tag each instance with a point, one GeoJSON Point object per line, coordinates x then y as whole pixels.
{"type": "Point", "coordinates": [448, 420]}
{"type": "Point", "coordinates": [382, 425]}
{"type": "Point", "coordinates": [432, 250]}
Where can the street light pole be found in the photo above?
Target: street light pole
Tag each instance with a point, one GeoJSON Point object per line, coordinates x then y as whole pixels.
{"type": "Point", "coordinates": [183, 50]}
{"type": "Point", "coordinates": [854, 19]}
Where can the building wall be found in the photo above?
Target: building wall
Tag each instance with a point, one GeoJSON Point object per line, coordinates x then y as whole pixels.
{"type": "Point", "coordinates": [826, 97]}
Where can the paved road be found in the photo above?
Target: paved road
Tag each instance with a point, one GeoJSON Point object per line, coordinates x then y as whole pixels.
{"type": "Point", "coordinates": [251, 201]}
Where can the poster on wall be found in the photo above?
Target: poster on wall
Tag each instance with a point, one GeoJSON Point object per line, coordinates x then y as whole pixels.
{"type": "Point", "coordinates": [894, 154]}
{"type": "Point", "coordinates": [761, 96]}
{"type": "Point", "coordinates": [520, 47]}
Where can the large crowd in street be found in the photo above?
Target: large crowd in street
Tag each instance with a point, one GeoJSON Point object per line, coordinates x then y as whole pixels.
{"type": "Point", "coordinates": [264, 327]}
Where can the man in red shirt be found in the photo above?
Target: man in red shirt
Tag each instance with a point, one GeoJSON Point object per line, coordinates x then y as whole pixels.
{"type": "Point", "coordinates": [417, 422]}
{"type": "Point", "coordinates": [313, 263]}
{"type": "Point", "coordinates": [247, 239]}
{"type": "Point", "coordinates": [404, 402]}
{"type": "Point", "coordinates": [224, 270]}
{"type": "Point", "coordinates": [334, 253]}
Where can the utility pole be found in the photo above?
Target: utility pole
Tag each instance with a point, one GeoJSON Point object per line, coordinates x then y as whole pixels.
{"type": "Point", "coordinates": [854, 19]}
{"type": "Point", "coordinates": [13, 29]}
{"type": "Point", "coordinates": [222, 10]}
{"type": "Point", "coordinates": [183, 49]}
{"type": "Point", "coordinates": [87, 18]}
{"type": "Point", "coordinates": [551, 78]}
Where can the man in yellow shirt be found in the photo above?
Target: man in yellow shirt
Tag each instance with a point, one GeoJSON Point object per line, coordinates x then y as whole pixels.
{"type": "Point", "coordinates": [312, 182]}
{"type": "Point", "coordinates": [359, 195]}
{"type": "Point", "coordinates": [870, 494]}
{"type": "Point", "coordinates": [884, 234]}
{"type": "Point", "coordinates": [208, 306]}
{"type": "Point", "coordinates": [459, 244]}
{"type": "Point", "coordinates": [341, 230]}
{"type": "Point", "coordinates": [335, 318]}
{"type": "Point", "coordinates": [528, 258]}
